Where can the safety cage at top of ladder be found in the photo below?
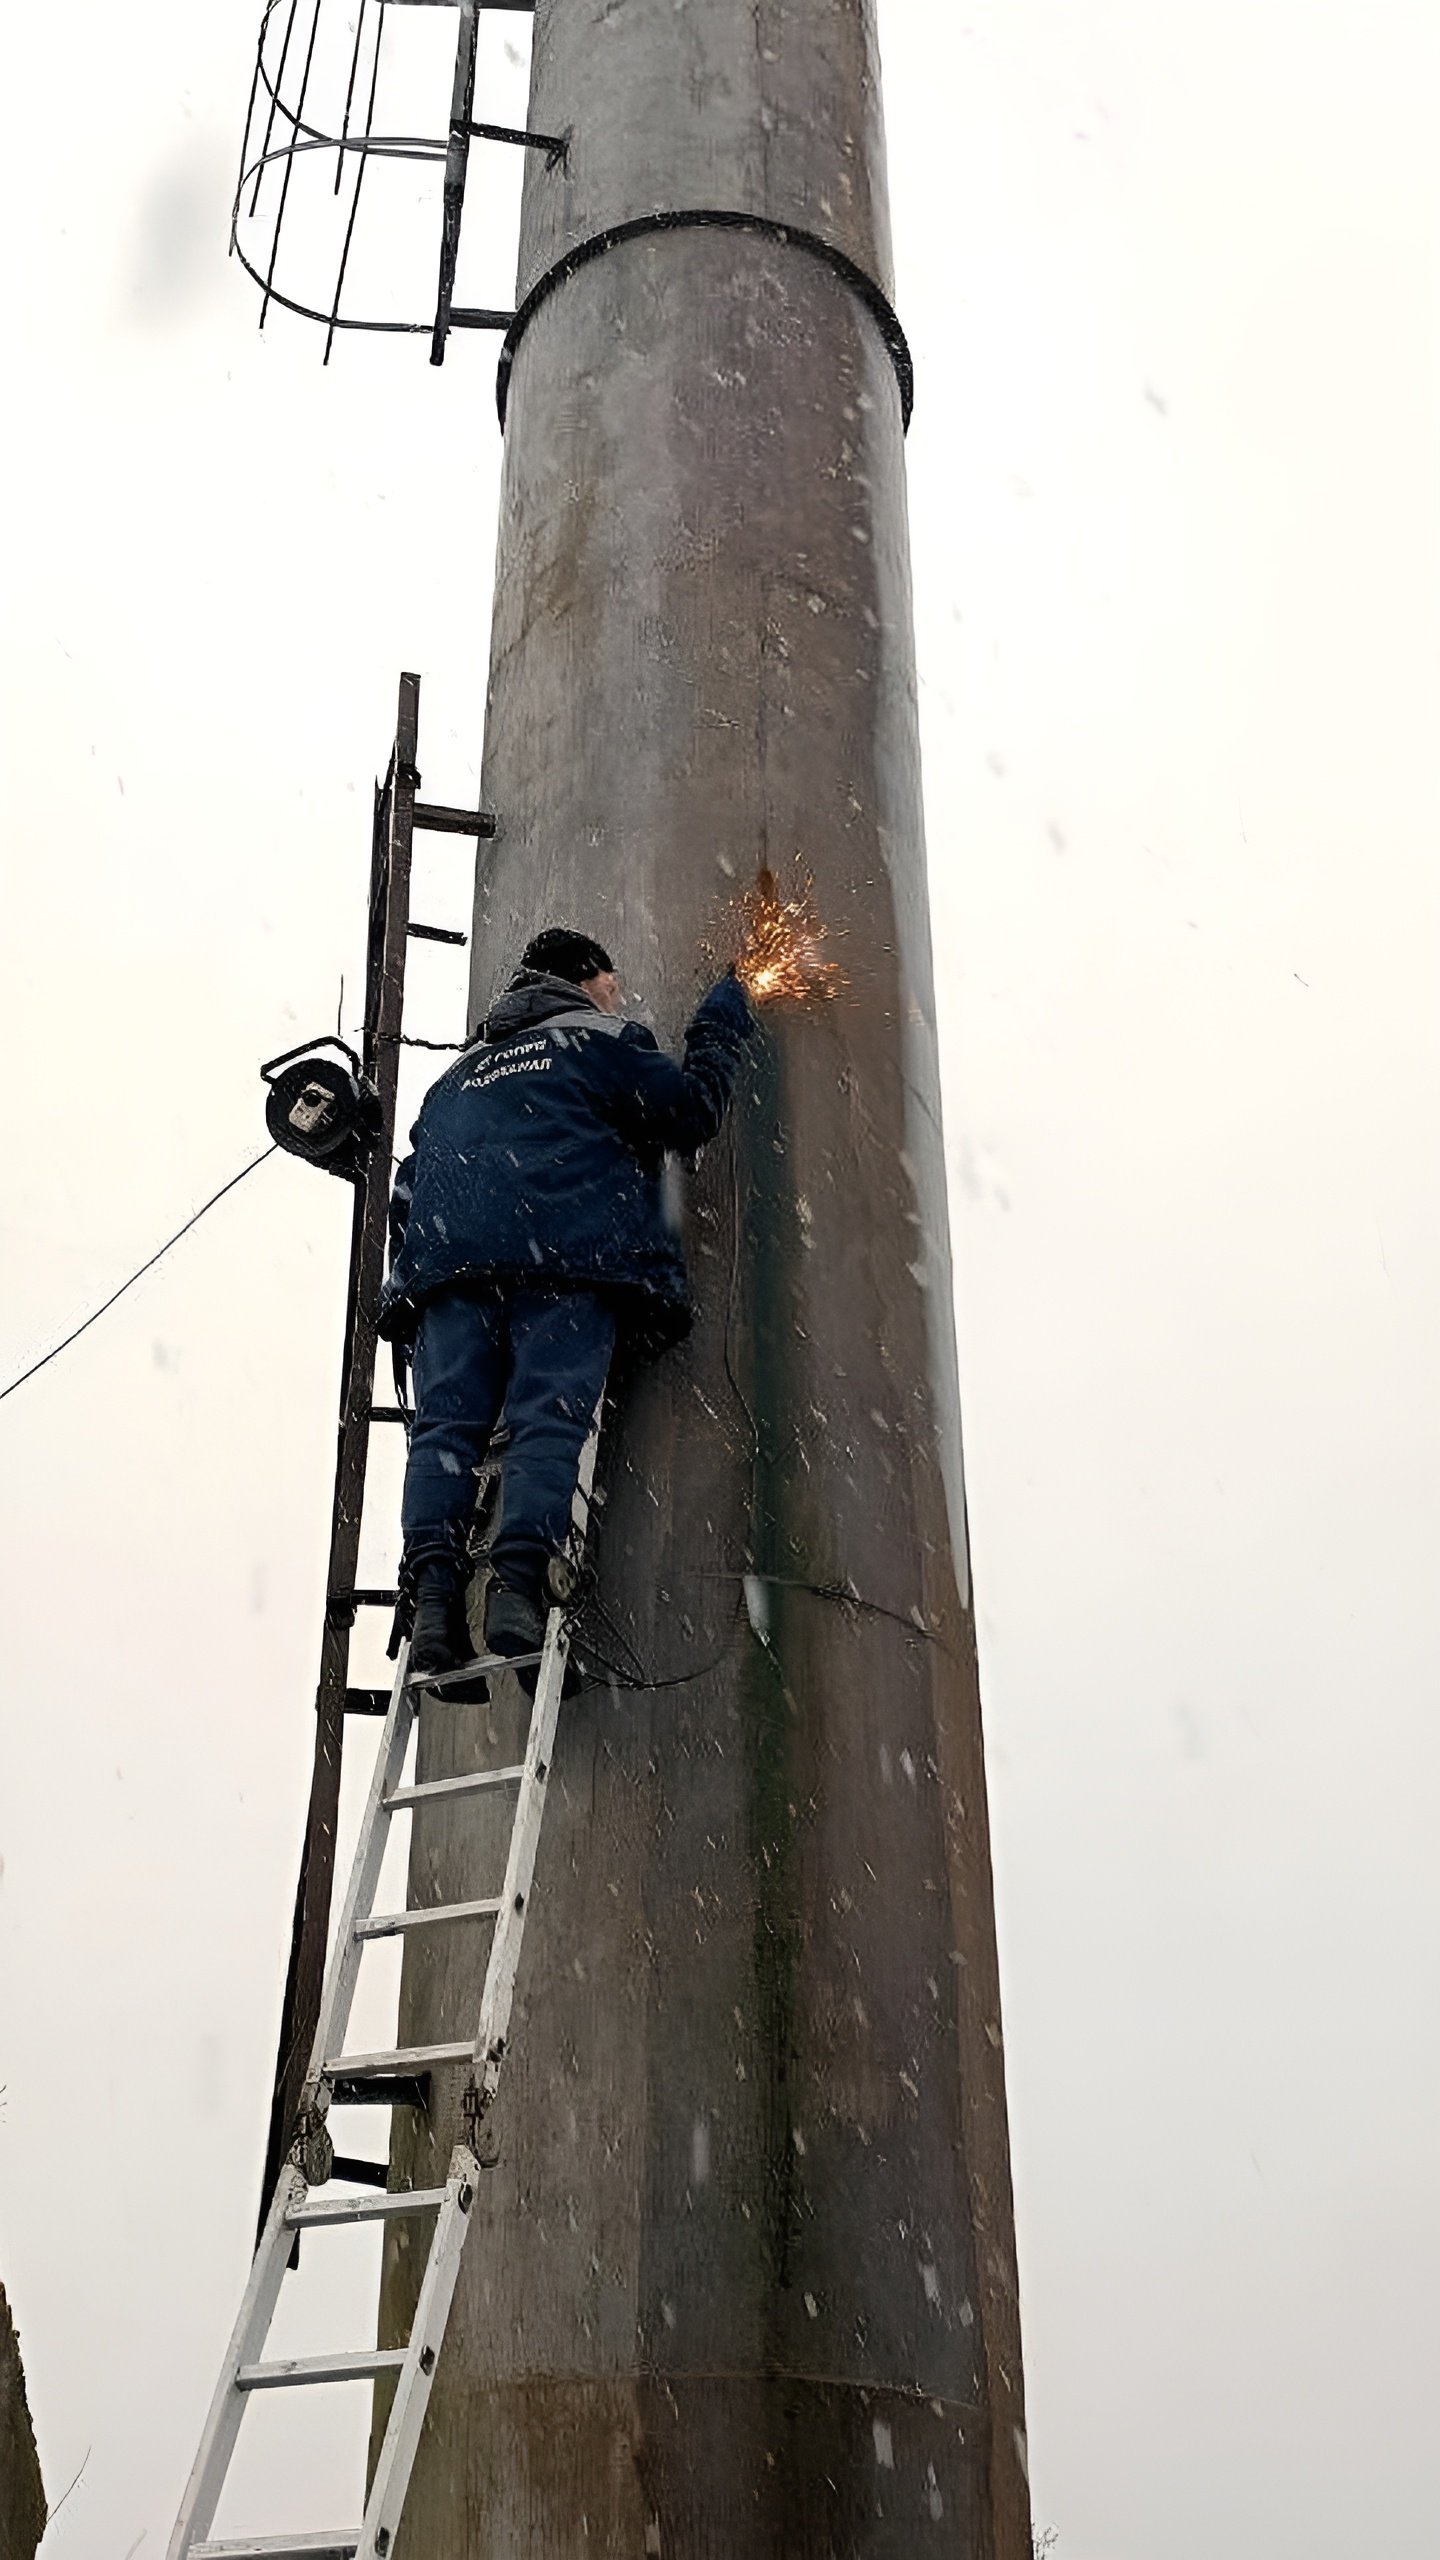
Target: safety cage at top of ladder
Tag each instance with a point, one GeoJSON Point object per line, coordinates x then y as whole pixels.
{"type": "Point", "coordinates": [335, 97]}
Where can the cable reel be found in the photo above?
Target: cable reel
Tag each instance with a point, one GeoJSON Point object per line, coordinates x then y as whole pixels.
{"type": "Point", "coordinates": [322, 1107]}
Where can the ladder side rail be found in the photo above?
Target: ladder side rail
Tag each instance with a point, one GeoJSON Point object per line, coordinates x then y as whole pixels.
{"type": "Point", "coordinates": [581, 1507]}
{"type": "Point", "coordinates": [384, 1020]}
{"type": "Point", "coordinates": [457, 161]}
{"type": "Point", "coordinates": [227, 2408]}
{"type": "Point", "coordinates": [500, 1973]}
{"type": "Point", "coordinates": [386, 947]}
{"type": "Point", "coordinates": [412, 2392]}
{"type": "Point", "coordinates": [343, 1971]}
{"type": "Point", "coordinates": [314, 1885]}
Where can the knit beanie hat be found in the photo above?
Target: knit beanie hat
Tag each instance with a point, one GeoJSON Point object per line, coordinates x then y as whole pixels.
{"type": "Point", "coordinates": [560, 953]}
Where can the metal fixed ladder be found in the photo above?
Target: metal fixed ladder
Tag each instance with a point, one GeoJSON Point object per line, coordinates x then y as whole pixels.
{"type": "Point", "coordinates": [331, 2068]}
{"type": "Point", "coordinates": [399, 812]}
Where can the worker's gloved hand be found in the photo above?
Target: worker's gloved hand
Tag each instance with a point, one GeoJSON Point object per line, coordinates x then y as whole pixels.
{"type": "Point", "coordinates": [728, 1003]}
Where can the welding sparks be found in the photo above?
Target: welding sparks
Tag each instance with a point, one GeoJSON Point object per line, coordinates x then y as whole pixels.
{"type": "Point", "coordinates": [780, 952]}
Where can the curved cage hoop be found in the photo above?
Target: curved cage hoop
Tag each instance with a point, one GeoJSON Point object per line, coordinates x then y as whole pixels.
{"type": "Point", "coordinates": [307, 211]}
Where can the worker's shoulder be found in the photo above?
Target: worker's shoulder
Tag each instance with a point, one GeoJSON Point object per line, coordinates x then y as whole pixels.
{"type": "Point", "coordinates": [637, 1035]}
{"type": "Point", "coordinates": [623, 1063]}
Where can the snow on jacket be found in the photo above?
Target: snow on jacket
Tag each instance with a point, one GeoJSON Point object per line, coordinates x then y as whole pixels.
{"type": "Point", "coordinates": [540, 1154]}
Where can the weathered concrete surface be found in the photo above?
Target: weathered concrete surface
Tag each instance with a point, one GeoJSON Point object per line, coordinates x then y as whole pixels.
{"type": "Point", "coordinates": [22, 2492]}
{"type": "Point", "coordinates": [743, 2283]}
{"type": "Point", "coordinates": [770, 107]}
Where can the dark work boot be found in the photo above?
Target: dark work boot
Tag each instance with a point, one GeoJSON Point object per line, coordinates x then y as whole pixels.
{"type": "Point", "coordinates": [514, 1623]}
{"type": "Point", "coordinates": [434, 1635]}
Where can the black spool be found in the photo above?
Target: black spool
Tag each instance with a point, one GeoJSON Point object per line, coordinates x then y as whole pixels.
{"type": "Point", "coordinates": [321, 1108]}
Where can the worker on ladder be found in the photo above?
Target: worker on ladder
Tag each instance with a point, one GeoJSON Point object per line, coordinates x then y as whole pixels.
{"type": "Point", "coordinates": [530, 1225]}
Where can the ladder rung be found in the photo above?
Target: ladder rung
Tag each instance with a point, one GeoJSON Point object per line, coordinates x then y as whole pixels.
{"type": "Point", "coordinates": [433, 813]}
{"type": "Point", "coordinates": [382, 2208]}
{"type": "Point", "coordinates": [390, 2089]}
{"type": "Point", "coordinates": [553, 143]}
{"type": "Point", "coordinates": [432, 1789]}
{"type": "Point", "coordinates": [435, 933]}
{"type": "Point", "coordinates": [386, 1413]}
{"type": "Point", "coordinates": [359, 2365]}
{"type": "Point", "coordinates": [282, 2546]}
{"type": "Point", "coordinates": [361, 2173]}
{"type": "Point", "coordinates": [402, 2058]}
{"type": "Point", "coordinates": [388, 1924]}
{"type": "Point", "coordinates": [483, 1662]}
{"type": "Point", "coordinates": [367, 1702]}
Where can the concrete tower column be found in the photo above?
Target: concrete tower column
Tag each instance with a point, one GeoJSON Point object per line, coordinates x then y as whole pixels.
{"type": "Point", "coordinates": [743, 2281]}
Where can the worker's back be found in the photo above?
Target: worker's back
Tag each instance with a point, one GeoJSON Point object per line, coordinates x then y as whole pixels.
{"type": "Point", "coordinates": [539, 1154]}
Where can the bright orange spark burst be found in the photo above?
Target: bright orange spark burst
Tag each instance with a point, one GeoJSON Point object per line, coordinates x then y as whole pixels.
{"type": "Point", "coordinates": [780, 951]}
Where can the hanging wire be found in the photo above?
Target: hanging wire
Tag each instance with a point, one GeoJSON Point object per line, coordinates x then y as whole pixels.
{"type": "Point", "coordinates": [46, 1357]}
{"type": "Point", "coordinates": [631, 1675]}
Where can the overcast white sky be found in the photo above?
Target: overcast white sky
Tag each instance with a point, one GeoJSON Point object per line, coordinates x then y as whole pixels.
{"type": "Point", "coordinates": [1170, 276]}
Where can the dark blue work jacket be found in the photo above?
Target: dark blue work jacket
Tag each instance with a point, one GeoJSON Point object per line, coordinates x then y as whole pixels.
{"type": "Point", "coordinates": [540, 1154]}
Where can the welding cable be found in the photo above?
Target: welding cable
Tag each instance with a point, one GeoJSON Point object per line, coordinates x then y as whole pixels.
{"type": "Point", "coordinates": [46, 1357]}
{"type": "Point", "coordinates": [591, 1656]}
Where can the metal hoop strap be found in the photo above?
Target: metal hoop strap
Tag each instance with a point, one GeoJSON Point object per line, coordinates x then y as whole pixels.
{"type": "Point", "coordinates": [702, 218]}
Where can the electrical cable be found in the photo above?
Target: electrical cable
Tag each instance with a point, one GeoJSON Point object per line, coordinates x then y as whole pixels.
{"type": "Point", "coordinates": [46, 1357]}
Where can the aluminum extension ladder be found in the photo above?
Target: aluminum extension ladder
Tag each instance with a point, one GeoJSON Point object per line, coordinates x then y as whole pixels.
{"type": "Point", "coordinates": [244, 2370]}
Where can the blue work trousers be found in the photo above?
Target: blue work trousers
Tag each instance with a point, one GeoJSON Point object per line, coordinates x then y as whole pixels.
{"type": "Point", "coordinates": [538, 1354]}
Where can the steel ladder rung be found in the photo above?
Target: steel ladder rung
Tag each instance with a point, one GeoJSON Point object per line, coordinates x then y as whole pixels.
{"type": "Point", "coordinates": [351, 2364]}
{"type": "Point", "coordinates": [402, 2058]}
{"type": "Point", "coordinates": [389, 1924]}
{"type": "Point", "coordinates": [435, 1790]}
{"type": "Point", "coordinates": [282, 2546]}
{"type": "Point", "coordinates": [486, 1662]}
{"type": "Point", "coordinates": [391, 2206]}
